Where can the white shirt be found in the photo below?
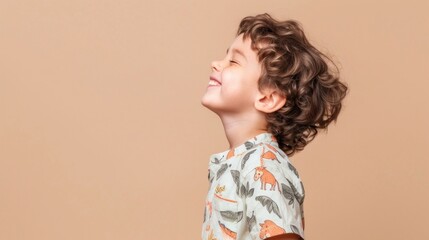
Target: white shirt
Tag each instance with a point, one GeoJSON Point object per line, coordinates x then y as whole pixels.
{"type": "Point", "coordinates": [255, 193]}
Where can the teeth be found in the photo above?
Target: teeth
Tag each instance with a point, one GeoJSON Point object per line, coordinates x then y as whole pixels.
{"type": "Point", "coordinates": [213, 83]}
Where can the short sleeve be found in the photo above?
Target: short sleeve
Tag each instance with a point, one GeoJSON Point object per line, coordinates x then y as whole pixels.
{"type": "Point", "coordinates": [272, 207]}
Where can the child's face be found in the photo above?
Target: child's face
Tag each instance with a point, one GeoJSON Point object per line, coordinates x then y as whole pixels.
{"type": "Point", "coordinates": [238, 75]}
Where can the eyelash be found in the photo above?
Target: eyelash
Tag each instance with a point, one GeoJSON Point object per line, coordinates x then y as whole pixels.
{"type": "Point", "coordinates": [232, 61]}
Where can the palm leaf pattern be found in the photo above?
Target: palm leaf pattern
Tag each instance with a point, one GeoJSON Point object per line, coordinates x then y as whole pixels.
{"type": "Point", "coordinates": [302, 187]}
{"type": "Point", "coordinates": [269, 204]}
{"type": "Point", "coordinates": [236, 177]}
{"type": "Point", "coordinates": [221, 170]}
{"type": "Point", "coordinates": [217, 160]}
{"type": "Point", "coordinates": [293, 169]}
{"type": "Point", "coordinates": [232, 216]}
{"type": "Point", "coordinates": [294, 229]}
{"type": "Point", "coordinates": [205, 214]}
{"type": "Point", "coordinates": [249, 145]}
{"type": "Point", "coordinates": [287, 193]}
{"type": "Point", "coordinates": [251, 221]}
{"type": "Point", "coordinates": [246, 205]}
{"type": "Point", "coordinates": [299, 197]}
{"type": "Point", "coordinates": [211, 176]}
{"type": "Point", "coordinates": [246, 157]}
{"type": "Point", "coordinates": [245, 191]}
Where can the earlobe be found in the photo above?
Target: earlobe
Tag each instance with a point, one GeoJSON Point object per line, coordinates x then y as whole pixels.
{"type": "Point", "coordinates": [270, 101]}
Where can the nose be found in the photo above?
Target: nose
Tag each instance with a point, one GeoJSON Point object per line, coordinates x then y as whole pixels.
{"type": "Point", "coordinates": [216, 65]}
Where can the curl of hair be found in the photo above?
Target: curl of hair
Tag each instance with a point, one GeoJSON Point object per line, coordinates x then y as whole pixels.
{"type": "Point", "coordinates": [307, 78]}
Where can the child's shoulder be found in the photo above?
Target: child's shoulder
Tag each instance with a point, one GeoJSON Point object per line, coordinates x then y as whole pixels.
{"type": "Point", "coordinates": [266, 155]}
{"type": "Point", "coordinates": [268, 164]}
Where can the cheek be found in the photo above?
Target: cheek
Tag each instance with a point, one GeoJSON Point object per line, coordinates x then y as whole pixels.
{"type": "Point", "coordinates": [235, 79]}
{"type": "Point", "coordinates": [229, 76]}
{"type": "Point", "coordinates": [231, 81]}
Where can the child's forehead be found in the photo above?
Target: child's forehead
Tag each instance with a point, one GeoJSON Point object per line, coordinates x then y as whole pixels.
{"type": "Point", "coordinates": [241, 45]}
{"type": "Point", "coordinates": [240, 41]}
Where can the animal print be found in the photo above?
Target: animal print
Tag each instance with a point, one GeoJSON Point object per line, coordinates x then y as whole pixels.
{"type": "Point", "coordinates": [254, 193]}
{"type": "Point", "coordinates": [269, 228]}
{"type": "Point", "coordinates": [261, 173]}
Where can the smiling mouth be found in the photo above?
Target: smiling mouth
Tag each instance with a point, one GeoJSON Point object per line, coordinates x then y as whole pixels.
{"type": "Point", "coordinates": [214, 83]}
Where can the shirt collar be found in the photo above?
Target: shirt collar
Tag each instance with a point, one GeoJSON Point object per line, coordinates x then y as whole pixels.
{"type": "Point", "coordinates": [261, 138]}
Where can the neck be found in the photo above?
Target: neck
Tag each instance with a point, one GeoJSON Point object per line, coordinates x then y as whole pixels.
{"type": "Point", "coordinates": [238, 129]}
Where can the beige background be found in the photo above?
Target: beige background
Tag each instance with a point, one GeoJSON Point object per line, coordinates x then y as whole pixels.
{"type": "Point", "coordinates": [102, 135]}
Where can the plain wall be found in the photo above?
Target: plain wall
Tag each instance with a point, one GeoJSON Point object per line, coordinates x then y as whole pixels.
{"type": "Point", "coordinates": [102, 134]}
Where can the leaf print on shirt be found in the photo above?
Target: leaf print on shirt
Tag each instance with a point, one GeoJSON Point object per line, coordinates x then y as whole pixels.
{"type": "Point", "coordinates": [245, 191]}
{"type": "Point", "coordinates": [251, 221]}
{"type": "Point", "coordinates": [231, 216]}
{"type": "Point", "coordinates": [294, 229]}
{"type": "Point", "coordinates": [293, 169]}
{"type": "Point", "coordinates": [249, 145]}
{"type": "Point", "coordinates": [236, 177]}
{"type": "Point", "coordinates": [205, 214]}
{"type": "Point", "coordinates": [269, 204]}
{"type": "Point", "coordinates": [298, 196]}
{"type": "Point", "coordinates": [216, 160]}
{"type": "Point", "coordinates": [287, 193]}
{"type": "Point", "coordinates": [246, 157]}
{"type": "Point", "coordinates": [221, 170]}
{"type": "Point", "coordinates": [211, 176]}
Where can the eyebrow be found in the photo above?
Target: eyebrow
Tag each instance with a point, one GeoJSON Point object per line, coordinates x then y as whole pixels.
{"type": "Point", "coordinates": [238, 51]}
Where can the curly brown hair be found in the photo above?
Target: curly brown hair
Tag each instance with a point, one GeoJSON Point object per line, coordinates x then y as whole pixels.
{"type": "Point", "coordinates": [307, 77]}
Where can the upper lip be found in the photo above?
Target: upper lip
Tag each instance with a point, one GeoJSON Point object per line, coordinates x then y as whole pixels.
{"type": "Point", "coordinates": [215, 79]}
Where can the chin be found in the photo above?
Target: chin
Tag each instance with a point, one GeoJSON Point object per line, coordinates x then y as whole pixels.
{"type": "Point", "coordinates": [208, 106]}
{"type": "Point", "coordinates": [211, 107]}
{"type": "Point", "coordinates": [206, 102]}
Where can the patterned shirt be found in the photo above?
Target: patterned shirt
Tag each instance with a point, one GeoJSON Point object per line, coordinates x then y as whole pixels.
{"type": "Point", "coordinates": [255, 193]}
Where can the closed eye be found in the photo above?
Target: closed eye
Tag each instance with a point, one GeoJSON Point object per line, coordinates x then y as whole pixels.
{"type": "Point", "coordinates": [232, 61]}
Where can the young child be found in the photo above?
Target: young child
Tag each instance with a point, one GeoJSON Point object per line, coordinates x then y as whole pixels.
{"type": "Point", "coordinates": [273, 91]}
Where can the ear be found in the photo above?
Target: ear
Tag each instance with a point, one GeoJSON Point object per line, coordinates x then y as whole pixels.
{"type": "Point", "coordinates": [269, 100]}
